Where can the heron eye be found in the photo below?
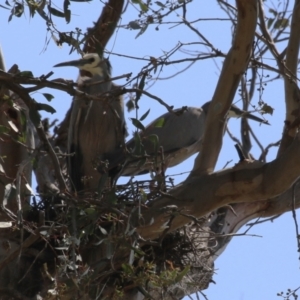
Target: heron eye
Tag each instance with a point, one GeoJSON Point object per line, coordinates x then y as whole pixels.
{"type": "Point", "coordinates": [92, 59]}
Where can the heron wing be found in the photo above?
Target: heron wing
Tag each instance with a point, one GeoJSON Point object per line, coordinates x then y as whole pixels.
{"type": "Point", "coordinates": [179, 136]}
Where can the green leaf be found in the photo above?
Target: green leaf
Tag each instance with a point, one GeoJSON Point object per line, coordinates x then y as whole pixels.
{"type": "Point", "coordinates": [68, 16]}
{"type": "Point", "coordinates": [26, 74]}
{"type": "Point", "coordinates": [67, 12]}
{"type": "Point", "coordinates": [144, 116]}
{"type": "Point", "coordinates": [134, 25]}
{"type": "Point", "coordinates": [143, 195]}
{"type": "Point", "coordinates": [140, 87]}
{"type": "Point", "coordinates": [127, 268]}
{"type": "Point", "coordinates": [160, 122]}
{"type": "Point", "coordinates": [23, 119]}
{"type": "Point", "coordinates": [34, 117]}
{"type": "Point", "coordinates": [182, 274]}
{"type": "Point", "coordinates": [153, 138]}
{"type": "Point", "coordinates": [137, 124]}
{"type": "Point", "coordinates": [49, 97]}
{"type": "Point", "coordinates": [142, 31]}
{"type": "Point", "coordinates": [46, 107]}
{"type": "Point", "coordinates": [160, 4]}
{"type": "Point", "coordinates": [142, 5]}
{"type": "Point", "coordinates": [138, 251]}
{"type": "Point", "coordinates": [281, 23]}
{"type": "Point", "coordinates": [138, 146]}
{"type": "Point", "coordinates": [274, 12]}
{"type": "Point", "coordinates": [270, 22]}
{"type": "Point", "coordinates": [10, 17]}
{"type": "Point", "coordinates": [56, 12]}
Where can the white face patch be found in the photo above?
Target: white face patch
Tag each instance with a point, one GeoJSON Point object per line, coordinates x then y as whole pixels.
{"type": "Point", "coordinates": [94, 66]}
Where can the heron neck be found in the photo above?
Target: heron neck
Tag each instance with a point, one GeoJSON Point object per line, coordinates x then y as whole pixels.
{"type": "Point", "coordinates": [95, 85]}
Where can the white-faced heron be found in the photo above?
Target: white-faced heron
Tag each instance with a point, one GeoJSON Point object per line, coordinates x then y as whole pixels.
{"type": "Point", "coordinates": [97, 127]}
{"type": "Point", "coordinates": [179, 134]}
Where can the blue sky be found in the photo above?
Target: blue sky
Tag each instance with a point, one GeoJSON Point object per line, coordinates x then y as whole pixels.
{"type": "Point", "coordinates": [251, 267]}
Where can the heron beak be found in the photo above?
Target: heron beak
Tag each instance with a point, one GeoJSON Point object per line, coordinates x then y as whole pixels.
{"type": "Point", "coordinates": [73, 63]}
{"type": "Point", "coordinates": [235, 112]}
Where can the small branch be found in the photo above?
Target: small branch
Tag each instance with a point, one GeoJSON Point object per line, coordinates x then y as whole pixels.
{"type": "Point", "coordinates": [266, 150]}
{"type": "Point", "coordinates": [295, 217]}
{"type": "Point", "coordinates": [159, 100]}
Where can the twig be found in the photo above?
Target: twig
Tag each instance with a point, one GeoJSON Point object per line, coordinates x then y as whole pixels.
{"type": "Point", "coordinates": [295, 217]}
{"type": "Point", "coordinates": [159, 100]}
{"type": "Point", "coordinates": [266, 150]}
{"type": "Point", "coordinates": [264, 220]}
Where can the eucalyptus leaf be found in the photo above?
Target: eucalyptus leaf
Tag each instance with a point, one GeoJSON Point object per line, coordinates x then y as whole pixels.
{"type": "Point", "coordinates": [142, 31]}
{"type": "Point", "coordinates": [49, 97]}
{"type": "Point", "coordinates": [144, 116]}
{"type": "Point", "coordinates": [67, 12]}
{"type": "Point", "coordinates": [46, 107]}
{"type": "Point", "coordinates": [26, 74]}
{"type": "Point", "coordinates": [137, 124]}
{"type": "Point", "coordinates": [56, 12]}
{"type": "Point", "coordinates": [140, 87]}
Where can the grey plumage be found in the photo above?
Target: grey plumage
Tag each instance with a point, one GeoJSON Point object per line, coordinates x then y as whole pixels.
{"type": "Point", "coordinates": [97, 127]}
{"type": "Point", "coordinates": [180, 137]}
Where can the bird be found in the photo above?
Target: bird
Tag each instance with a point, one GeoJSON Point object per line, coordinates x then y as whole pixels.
{"type": "Point", "coordinates": [179, 135]}
{"type": "Point", "coordinates": [97, 127]}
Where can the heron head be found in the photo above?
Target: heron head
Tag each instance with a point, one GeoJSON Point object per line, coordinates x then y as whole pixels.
{"type": "Point", "coordinates": [91, 63]}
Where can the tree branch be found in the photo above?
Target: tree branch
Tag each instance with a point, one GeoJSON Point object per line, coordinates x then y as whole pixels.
{"type": "Point", "coordinates": [234, 66]}
{"type": "Point", "coordinates": [203, 194]}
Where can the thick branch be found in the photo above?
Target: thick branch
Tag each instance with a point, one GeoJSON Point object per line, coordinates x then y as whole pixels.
{"type": "Point", "coordinates": [200, 195]}
{"type": "Point", "coordinates": [234, 66]}
{"type": "Point", "coordinates": [99, 35]}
